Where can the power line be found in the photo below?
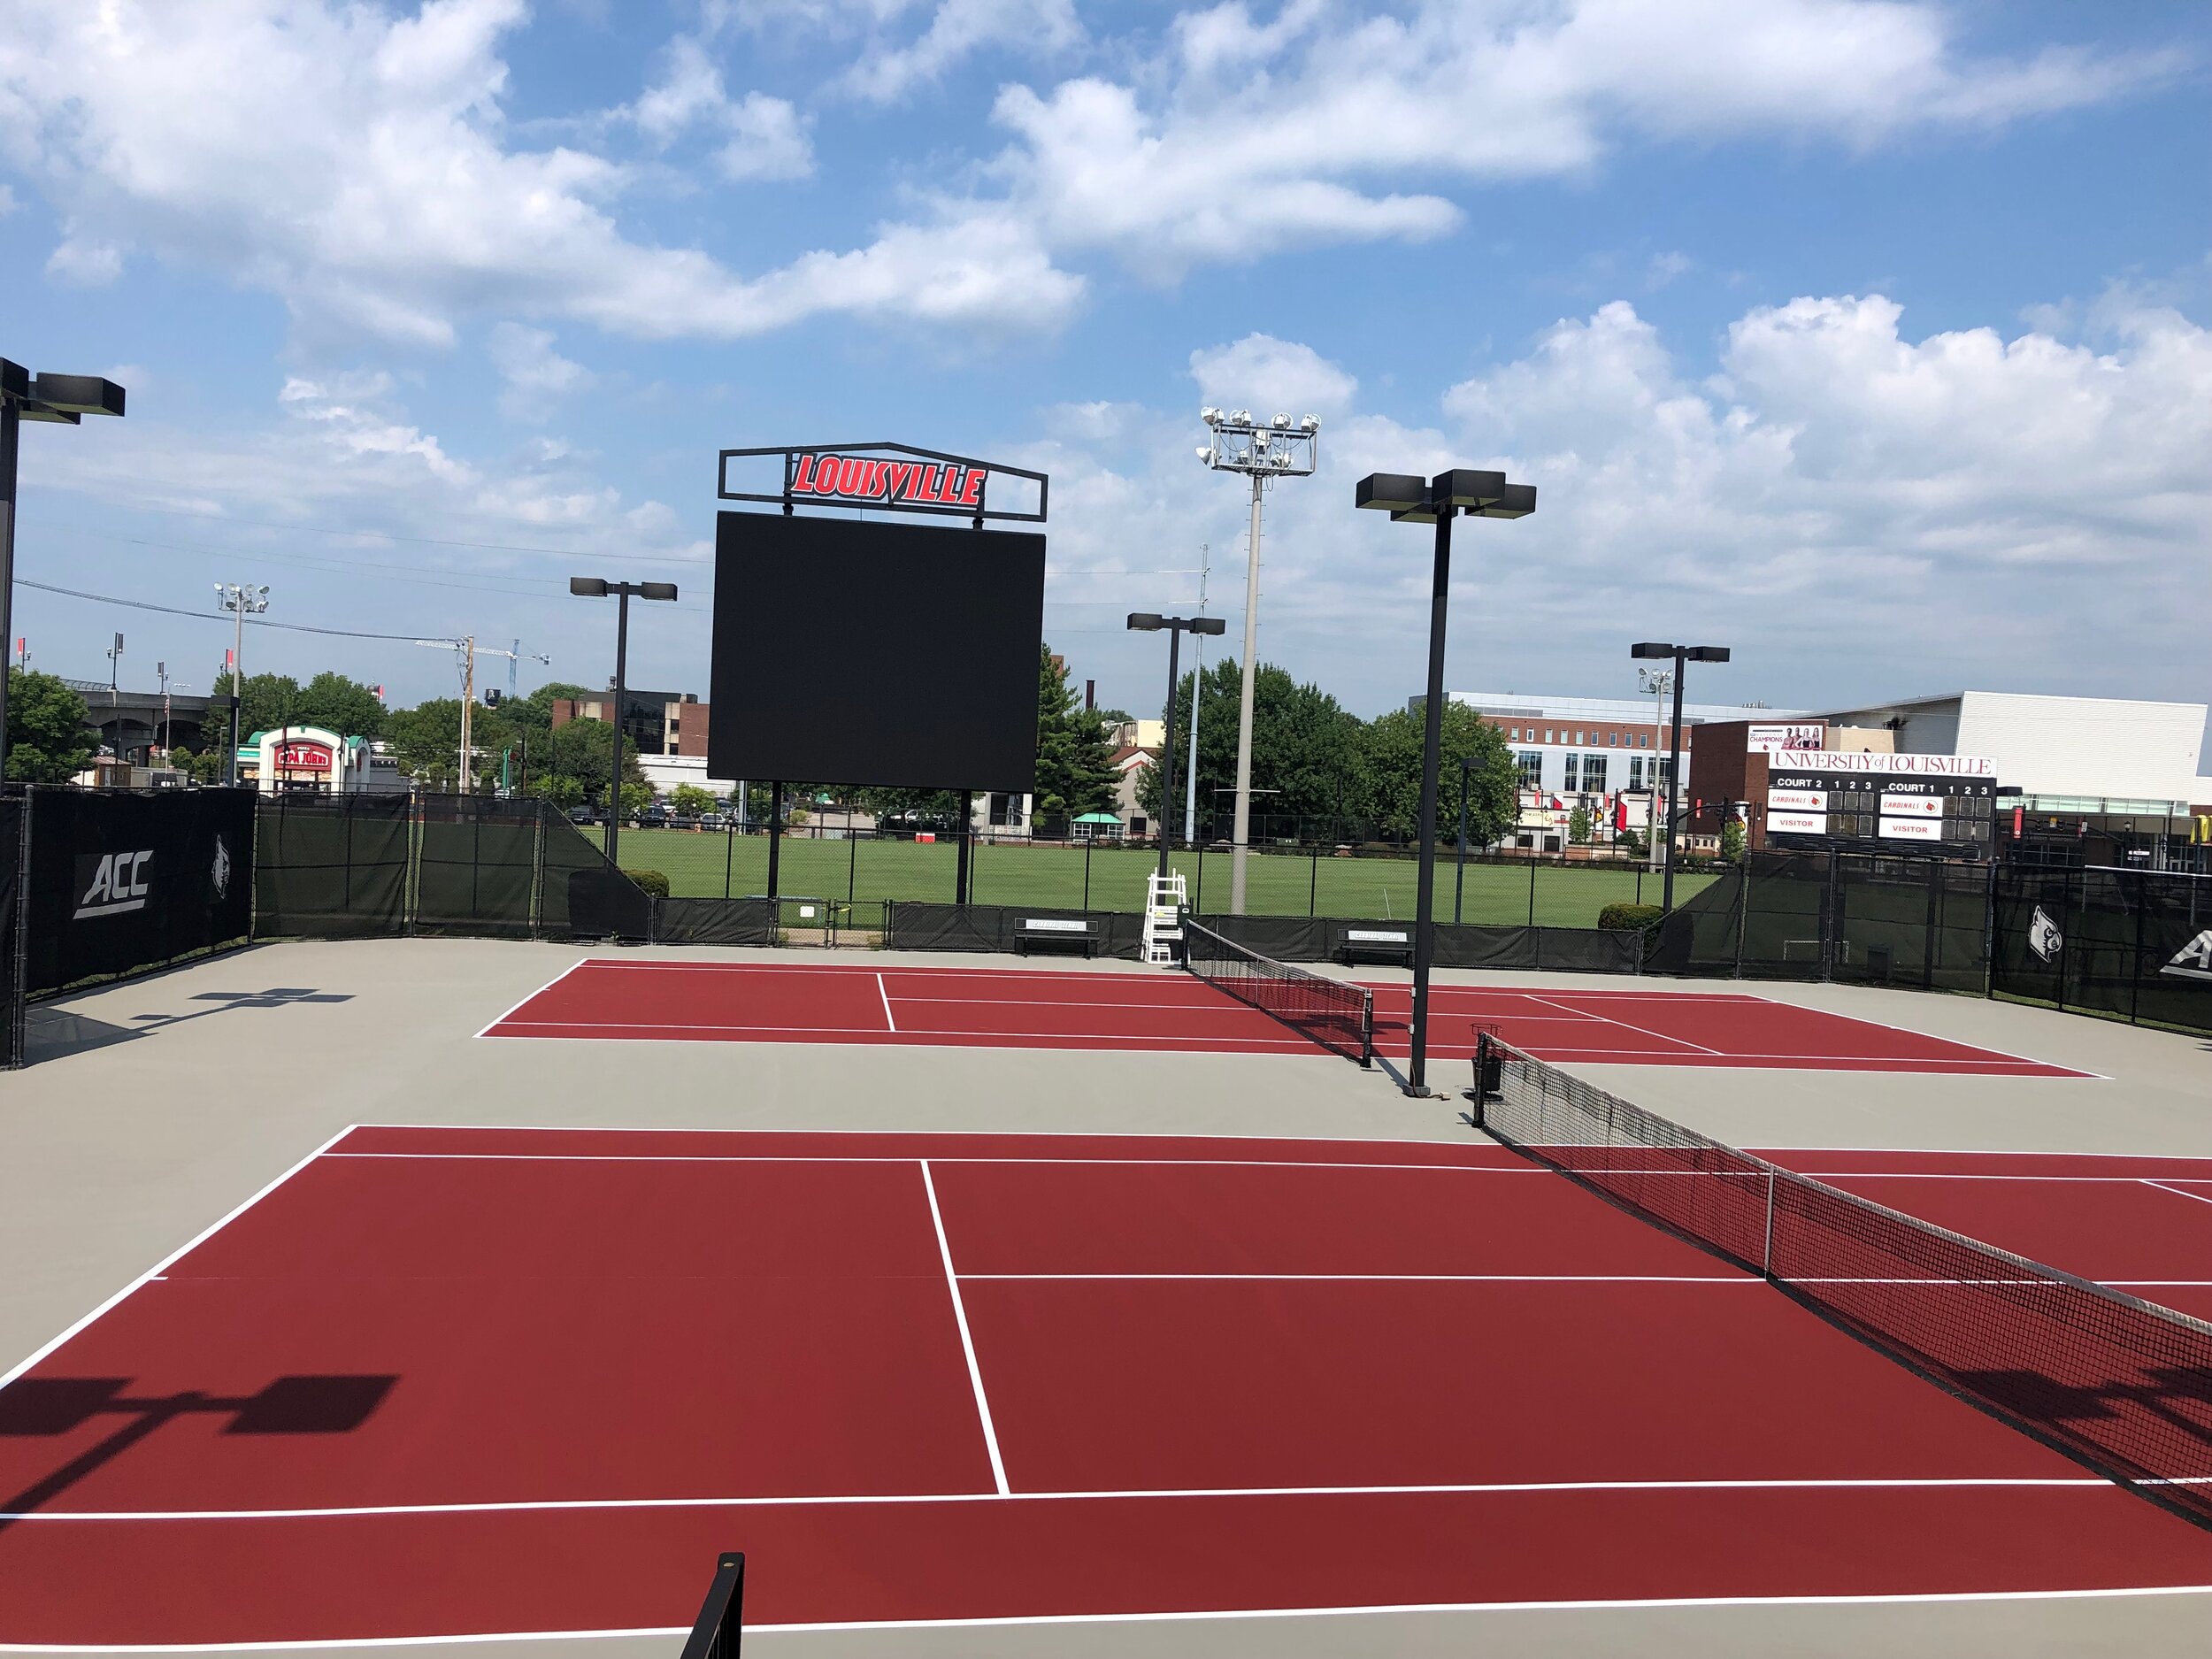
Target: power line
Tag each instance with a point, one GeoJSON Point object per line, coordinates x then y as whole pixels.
{"type": "Point", "coordinates": [203, 616]}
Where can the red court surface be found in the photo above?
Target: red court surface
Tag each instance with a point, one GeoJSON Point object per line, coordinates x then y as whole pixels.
{"type": "Point", "coordinates": [1007, 1008]}
{"type": "Point", "coordinates": [450, 1382]}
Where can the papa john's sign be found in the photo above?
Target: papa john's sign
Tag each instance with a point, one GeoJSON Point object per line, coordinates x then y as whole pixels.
{"type": "Point", "coordinates": [887, 477]}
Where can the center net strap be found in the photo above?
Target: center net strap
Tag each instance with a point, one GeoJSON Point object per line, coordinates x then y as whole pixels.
{"type": "Point", "coordinates": [2118, 1384]}
{"type": "Point", "coordinates": [1339, 1017]}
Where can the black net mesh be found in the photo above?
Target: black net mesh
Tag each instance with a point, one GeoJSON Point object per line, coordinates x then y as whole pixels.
{"type": "Point", "coordinates": [476, 866]}
{"type": "Point", "coordinates": [2119, 1383]}
{"type": "Point", "coordinates": [331, 866]}
{"type": "Point", "coordinates": [11, 932]}
{"type": "Point", "coordinates": [1339, 1017]}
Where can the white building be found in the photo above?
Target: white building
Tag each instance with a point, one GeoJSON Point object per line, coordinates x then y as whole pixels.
{"type": "Point", "coordinates": [2080, 756]}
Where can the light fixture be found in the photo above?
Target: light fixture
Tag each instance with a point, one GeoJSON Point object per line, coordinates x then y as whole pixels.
{"type": "Point", "coordinates": [1311, 423]}
{"type": "Point", "coordinates": [1281, 423]}
{"type": "Point", "coordinates": [1210, 416]}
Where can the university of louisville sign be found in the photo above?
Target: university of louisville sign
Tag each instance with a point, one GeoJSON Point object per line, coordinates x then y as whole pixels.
{"type": "Point", "coordinates": [888, 477]}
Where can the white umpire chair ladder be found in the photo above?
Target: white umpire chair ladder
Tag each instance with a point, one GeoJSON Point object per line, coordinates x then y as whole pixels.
{"type": "Point", "coordinates": [1163, 918]}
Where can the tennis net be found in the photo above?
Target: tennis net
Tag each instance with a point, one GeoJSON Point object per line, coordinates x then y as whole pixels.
{"type": "Point", "coordinates": [2118, 1384]}
{"type": "Point", "coordinates": [1339, 1017]}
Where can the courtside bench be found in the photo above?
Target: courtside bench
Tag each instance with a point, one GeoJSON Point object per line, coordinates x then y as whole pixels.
{"type": "Point", "coordinates": [1376, 944]}
{"type": "Point", "coordinates": [1056, 930]}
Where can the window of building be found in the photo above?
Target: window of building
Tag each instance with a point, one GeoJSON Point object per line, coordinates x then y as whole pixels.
{"type": "Point", "coordinates": [1581, 738]}
{"type": "Point", "coordinates": [1531, 762]}
{"type": "Point", "coordinates": [1574, 774]}
{"type": "Point", "coordinates": [1006, 811]}
{"type": "Point", "coordinates": [1635, 772]}
{"type": "Point", "coordinates": [1613, 740]}
{"type": "Point", "coordinates": [1550, 737]}
{"type": "Point", "coordinates": [1593, 774]}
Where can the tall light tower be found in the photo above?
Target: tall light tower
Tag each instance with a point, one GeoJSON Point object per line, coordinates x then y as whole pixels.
{"type": "Point", "coordinates": [241, 600]}
{"type": "Point", "coordinates": [1277, 450]}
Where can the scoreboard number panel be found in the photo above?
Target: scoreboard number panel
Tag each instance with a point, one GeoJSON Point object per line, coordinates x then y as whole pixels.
{"type": "Point", "coordinates": [1900, 801]}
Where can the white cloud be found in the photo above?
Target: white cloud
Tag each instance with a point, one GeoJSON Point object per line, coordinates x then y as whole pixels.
{"type": "Point", "coordinates": [85, 263]}
{"type": "Point", "coordinates": [956, 31]}
{"type": "Point", "coordinates": [1854, 510]}
{"type": "Point", "coordinates": [365, 171]}
{"type": "Point", "coordinates": [1268, 374]}
{"type": "Point", "coordinates": [537, 377]}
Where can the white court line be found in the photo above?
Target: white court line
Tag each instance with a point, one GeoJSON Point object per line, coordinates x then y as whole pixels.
{"type": "Point", "coordinates": [1005, 1038]}
{"type": "Point", "coordinates": [1644, 1030]}
{"type": "Point", "coordinates": [1188, 1005]}
{"type": "Point", "coordinates": [1522, 1168]}
{"type": "Point", "coordinates": [173, 1259]}
{"type": "Point", "coordinates": [533, 995]}
{"type": "Point", "coordinates": [1507, 1488]}
{"type": "Point", "coordinates": [2176, 1191]}
{"type": "Point", "coordinates": [1561, 1279]}
{"type": "Point", "coordinates": [967, 1342]}
{"type": "Point", "coordinates": [885, 995]}
{"type": "Point", "coordinates": [1206, 1615]}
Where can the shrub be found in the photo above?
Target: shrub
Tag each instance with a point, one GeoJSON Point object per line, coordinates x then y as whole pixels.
{"type": "Point", "coordinates": [1624, 917]}
{"type": "Point", "coordinates": [652, 880]}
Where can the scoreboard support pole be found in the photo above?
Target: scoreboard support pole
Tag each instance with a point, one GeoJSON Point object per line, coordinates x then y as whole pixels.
{"type": "Point", "coordinates": [775, 840]}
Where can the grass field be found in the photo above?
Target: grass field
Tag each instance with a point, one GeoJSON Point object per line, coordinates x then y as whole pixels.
{"type": "Point", "coordinates": [1279, 884]}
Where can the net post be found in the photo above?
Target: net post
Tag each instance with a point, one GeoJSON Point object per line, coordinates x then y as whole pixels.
{"type": "Point", "coordinates": [1485, 1059]}
{"type": "Point", "coordinates": [1766, 1249]}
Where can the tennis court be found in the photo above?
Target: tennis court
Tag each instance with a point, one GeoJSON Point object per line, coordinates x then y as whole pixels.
{"type": "Point", "coordinates": [648, 1000]}
{"type": "Point", "coordinates": [447, 1381]}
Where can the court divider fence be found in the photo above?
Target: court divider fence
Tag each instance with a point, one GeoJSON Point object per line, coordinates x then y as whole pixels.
{"type": "Point", "coordinates": [913, 925]}
{"type": "Point", "coordinates": [14, 847]}
{"type": "Point", "coordinates": [2130, 944]}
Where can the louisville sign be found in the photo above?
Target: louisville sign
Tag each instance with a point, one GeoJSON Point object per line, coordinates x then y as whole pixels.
{"type": "Point", "coordinates": [2194, 960]}
{"type": "Point", "coordinates": [861, 480]}
{"type": "Point", "coordinates": [889, 477]}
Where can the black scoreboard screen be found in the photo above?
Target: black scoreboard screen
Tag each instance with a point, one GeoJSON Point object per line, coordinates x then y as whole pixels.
{"type": "Point", "coordinates": [1937, 803]}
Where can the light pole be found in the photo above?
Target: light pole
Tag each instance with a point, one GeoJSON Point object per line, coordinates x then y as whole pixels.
{"type": "Point", "coordinates": [1278, 449]}
{"type": "Point", "coordinates": [1658, 682]}
{"type": "Point", "coordinates": [239, 598]}
{"type": "Point", "coordinates": [593, 587]}
{"type": "Point", "coordinates": [1152, 622]}
{"type": "Point", "coordinates": [1681, 654]}
{"type": "Point", "coordinates": [1408, 499]}
{"type": "Point", "coordinates": [1459, 878]}
{"type": "Point", "coordinates": [62, 400]}
{"type": "Point", "coordinates": [1197, 682]}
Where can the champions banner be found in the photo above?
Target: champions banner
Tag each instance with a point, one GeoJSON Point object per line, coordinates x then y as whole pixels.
{"type": "Point", "coordinates": [119, 883]}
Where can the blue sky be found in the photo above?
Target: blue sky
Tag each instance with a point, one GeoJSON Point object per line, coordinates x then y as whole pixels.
{"type": "Point", "coordinates": [1874, 340]}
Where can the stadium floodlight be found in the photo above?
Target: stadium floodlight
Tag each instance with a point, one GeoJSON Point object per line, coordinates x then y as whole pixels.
{"type": "Point", "coordinates": [60, 400]}
{"type": "Point", "coordinates": [1646, 650]}
{"type": "Point", "coordinates": [1210, 415]}
{"type": "Point", "coordinates": [1261, 453]}
{"type": "Point", "coordinates": [1408, 499]}
{"type": "Point", "coordinates": [241, 600]}
{"type": "Point", "coordinates": [596, 588]}
{"type": "Point", "coordinates": [1175, 628]}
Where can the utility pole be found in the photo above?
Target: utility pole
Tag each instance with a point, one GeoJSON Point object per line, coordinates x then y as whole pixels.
{"type": "Point", "coordinates": [468, 707]}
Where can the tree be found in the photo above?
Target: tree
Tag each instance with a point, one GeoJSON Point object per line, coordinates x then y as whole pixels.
{"type": "Point", "coordinates": [691, 801]}
{"type": "Point", "coordinates": [427, 740]}
{"type": "Point", "coordinates": [1732, 838]}
{"type": "Point", "coordinates": [337, 704]}
{"type": "Point", "coordinates": [569, 764]}
{"type": "Point", "coordinates": [1305, 748]}
{"type": "Point", "coordinates": [1075, 767]}
{"type": "Point", "coordinates": [48, 740]}
{"type": "Point", "coordinates": [536, 710]}
{"type": "Point", "coordinates": [267, 701]}
{"type": "Point", "coordinates": [1390, 775]}
{"type": "Point", "coordinates": [1579, 824]}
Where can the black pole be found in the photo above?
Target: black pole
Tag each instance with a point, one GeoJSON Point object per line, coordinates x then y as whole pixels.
{"type": "Point", "coordinates": [1459, 881]}
{"type": "Point", "coordinates": [775, 837]}
{"type": "Point", "coordinates": [11, 435]}
{"type": "Point", "coordinates": [1674, 780]}
{"type": "Point", "coordinates": [729, 853]}
{"type": "Point", "coordinates": [621, 685]}
{"type": "Point", "coordinates": [1167, 759]}
{"type": "Point", "coordinates": [960, 882]}
{"type": "Point", "coordinates": [1432, 736]}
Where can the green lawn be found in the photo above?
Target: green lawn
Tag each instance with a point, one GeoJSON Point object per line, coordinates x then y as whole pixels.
{"type": "Point", "coordinates": [1016, 873]}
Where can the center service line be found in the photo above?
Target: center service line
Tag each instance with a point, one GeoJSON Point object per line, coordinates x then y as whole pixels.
{"type": "Point", "coordinates": [967, 1342]}
{"type": "Point", "coordinates": [882, 991]}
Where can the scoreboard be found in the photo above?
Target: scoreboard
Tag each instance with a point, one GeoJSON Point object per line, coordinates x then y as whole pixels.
{"type": "Point", "coordinates": [1936, 803]}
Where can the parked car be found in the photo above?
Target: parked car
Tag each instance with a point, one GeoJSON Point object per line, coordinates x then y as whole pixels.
{"type": "Point", "coordinates": [715, 821]}
{"type": "Point", "coordinates": [586, 815]}
{"type": "Point", "coordinates": [652, 817]}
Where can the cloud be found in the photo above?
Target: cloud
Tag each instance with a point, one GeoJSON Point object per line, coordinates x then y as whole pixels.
{"type": "Point", "coordinates": [365, 170]}
{"type": "Point", "coordinates": [1268, 374]}
{"type": "Point", "coordinates": [1855, 509]}
{"type": "Point", "coordinates": [765, 137]}
{"type": "Point", "coordinates": [958, 30]}
{"type": "Point", "coordinates": [536, 376]}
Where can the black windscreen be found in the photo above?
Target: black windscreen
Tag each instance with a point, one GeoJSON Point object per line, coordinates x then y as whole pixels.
{"type": "Point", "coordinates": [866, 653]}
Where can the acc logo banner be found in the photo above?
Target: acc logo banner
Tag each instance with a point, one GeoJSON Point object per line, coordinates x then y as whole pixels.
{"type": "Point", "coordinates": [116, 883]}
{"type": "Point", "coordinates": [896, 483]}
{"type": "Point", "coordinates": [2194, 960]}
